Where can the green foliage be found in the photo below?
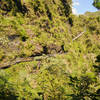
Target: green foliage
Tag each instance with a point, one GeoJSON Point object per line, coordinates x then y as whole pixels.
{"type": "Point", "coordinates": [51, 80]}
{"type": "Point", "coordinates": [7, 92]}
{"type": "Point", "coordinates": [96, 4]}
{"type": "Point", "coordinates": [61, 69]}
{"type": "Point", "coordinates": [83, 87]}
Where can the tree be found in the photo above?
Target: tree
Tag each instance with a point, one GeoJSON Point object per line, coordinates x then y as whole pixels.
{"type": "Point", "coordinates": [96, 4]}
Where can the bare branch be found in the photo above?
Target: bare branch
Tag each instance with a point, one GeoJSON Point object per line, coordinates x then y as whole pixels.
{"type": "Point", "coordinates": [79, 35]}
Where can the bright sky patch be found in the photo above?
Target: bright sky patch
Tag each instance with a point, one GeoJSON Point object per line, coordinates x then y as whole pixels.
{"type": "Point", "coordinates": [82, 6]}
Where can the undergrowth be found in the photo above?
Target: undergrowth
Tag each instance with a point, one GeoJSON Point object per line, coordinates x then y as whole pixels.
{"type": "Point", "coordinates": [62, 69]}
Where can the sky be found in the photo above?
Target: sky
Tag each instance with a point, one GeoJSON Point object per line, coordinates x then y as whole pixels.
{"type": "Point", "coordinates": [81, 6]}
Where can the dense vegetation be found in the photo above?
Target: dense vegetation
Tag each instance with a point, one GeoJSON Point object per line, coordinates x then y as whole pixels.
{"type": "Point", "coordinates": [40, 56]}
{"type": "Point", "coordinates": [96, 4]}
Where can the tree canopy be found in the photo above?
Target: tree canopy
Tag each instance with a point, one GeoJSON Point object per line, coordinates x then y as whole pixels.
{"type": "Point", "coordinates": [96, 4]}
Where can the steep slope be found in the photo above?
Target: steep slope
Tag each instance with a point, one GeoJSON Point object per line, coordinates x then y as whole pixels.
{"type": "Point", "coordinates": [37, 29]}
{"type": "Point", "coordinates": [47, 53]}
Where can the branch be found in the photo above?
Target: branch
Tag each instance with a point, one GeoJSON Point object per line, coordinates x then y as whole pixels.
{"type": "Point", "coordinates": [28, 59]}
{"type": "Point", "coordinates": [17, 61]}
{"type": "Point", "coordinates": [79, 35]}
